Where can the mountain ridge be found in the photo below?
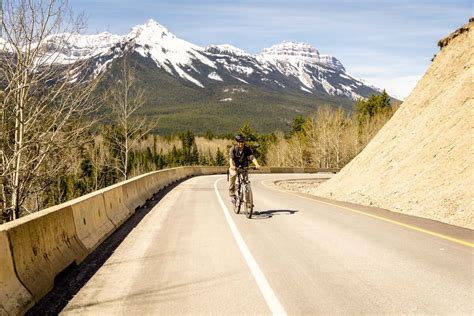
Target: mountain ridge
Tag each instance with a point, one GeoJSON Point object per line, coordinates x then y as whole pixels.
{"type": "Point", "coordinates": [184, 80]}
{"type": "Point", "coordinates": [315, 72]}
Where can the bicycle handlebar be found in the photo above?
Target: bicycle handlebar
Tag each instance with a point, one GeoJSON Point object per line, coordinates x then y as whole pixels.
{"type": "Point", "coordinates": [242, 169]}
{"type": "Point", "coordinates": [245, 168]}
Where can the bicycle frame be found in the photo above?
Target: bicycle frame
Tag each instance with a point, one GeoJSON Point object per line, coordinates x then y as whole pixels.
{"type": "Point", "coordinates": [243, 193]}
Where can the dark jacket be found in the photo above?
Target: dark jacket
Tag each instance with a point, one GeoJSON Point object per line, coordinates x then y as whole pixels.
{"type": "Point", "coordinates": [241, 158]}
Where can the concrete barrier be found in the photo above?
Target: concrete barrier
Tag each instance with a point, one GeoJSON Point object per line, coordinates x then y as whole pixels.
{"type": "Point", "coordinates": [132, 196]}
{"type": "Point", "coordinates": [13, 295]}
{"type": "Point", "coordinates": [115, 207]}
{"type": "Point", "coordinates": [212, 170]}
{"type": "Point", "coordinates": [141, 185]}
{"type": "Point", "coordinates": [183, 173]}
{"type": "Point", "coordinates": [44, 244]}
{"type": "Point", "coordinates": [282, 170]}
{"type": "Point", "coordinates": [150, 183]}
{"type": "Point", "coordinates": [161, 179]}
{"type": "Point", "coordinates": [91, 220]}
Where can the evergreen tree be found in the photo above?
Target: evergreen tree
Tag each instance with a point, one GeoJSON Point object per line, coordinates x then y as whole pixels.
{"type": "Point", "coordinates": [370, 116]}
{"type": "Point", "coordinates": [252, 139]}
{"type": "Point", "coordinates": [375, 104]}
{"type": "Point", "coordinates": [384, 101]}
{"type": "Point", "coordinates": [297, 125]}
{"type": "Point", "coordinates": [160, 160]}
{"type": "Point", "coordinates": [212, 161]}
{"type": "Point", "coordinates": [187, 142]}
{"type": "Point", "coordinates": [203, 160]}
{"type": "Point", "coordinates": [249, 133]}
{"type": "Point", "coordinates": [220, 158]}
{"type": "Point", "coordinates": [148, 159]}
{"type": "Point", "coordinates": [155, 145]}
{"type": "Point", "coordinates": [209, 135]}
{"type": "Point", "coordinates": [87, 174]}
{"type": "Point", "coordinates": [194, 157]}
{"type": "Point", "coordinates": [174, 157]}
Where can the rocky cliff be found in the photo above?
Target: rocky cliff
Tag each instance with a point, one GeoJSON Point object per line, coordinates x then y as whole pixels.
{"type": "Point", "coordinates": [421, 161]}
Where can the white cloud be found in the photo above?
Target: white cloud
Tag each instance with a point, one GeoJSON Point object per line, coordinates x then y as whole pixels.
{"type": "Point", "coordinates": [398, 87]}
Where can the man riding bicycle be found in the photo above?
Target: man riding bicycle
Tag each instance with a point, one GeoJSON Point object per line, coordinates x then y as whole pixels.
{"type": "Point", "coordinates": [240, 155]}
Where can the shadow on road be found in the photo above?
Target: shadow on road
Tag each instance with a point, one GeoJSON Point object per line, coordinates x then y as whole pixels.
{"type": "Point", "coordinates": [271, 213]}
{"type": "Point", "coordinates": [69, 282]}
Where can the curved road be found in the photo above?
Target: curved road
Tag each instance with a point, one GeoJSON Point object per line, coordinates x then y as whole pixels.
{"type": "Point", "coordinates": [190, 255]}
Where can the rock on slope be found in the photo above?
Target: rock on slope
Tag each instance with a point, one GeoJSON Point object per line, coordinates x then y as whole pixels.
{"type": "Point", "coordinates": [421, 161]}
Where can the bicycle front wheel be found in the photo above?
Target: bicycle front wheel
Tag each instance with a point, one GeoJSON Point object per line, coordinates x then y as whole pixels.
{"type": "Point", "coordinates": [248, 202]}
{"type": "Point", "coordinates": [238, 202]}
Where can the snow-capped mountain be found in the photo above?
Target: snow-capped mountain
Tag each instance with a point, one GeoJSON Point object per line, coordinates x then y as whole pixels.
{"type": "Point", "coordinates": [286, 66]}
{"type": "Point", "coordinates": [299, 52]}
{"type": "Point", "coordinates": [74, 47]}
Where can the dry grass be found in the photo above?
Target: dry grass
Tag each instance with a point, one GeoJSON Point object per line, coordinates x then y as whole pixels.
{"type": "Point", "coordinates": [204, 145]}
{"type": "Point", "coordinates": [207, 146]}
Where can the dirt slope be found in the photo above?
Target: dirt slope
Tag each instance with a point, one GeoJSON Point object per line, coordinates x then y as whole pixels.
{"type": "Point", "coordinates": [421, 161]}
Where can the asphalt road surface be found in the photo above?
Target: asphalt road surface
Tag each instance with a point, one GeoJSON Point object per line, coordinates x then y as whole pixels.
{"type": "Point", "coordinates": [298, 256]}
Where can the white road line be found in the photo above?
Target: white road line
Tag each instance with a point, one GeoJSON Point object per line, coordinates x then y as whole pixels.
{"type": "Point", "coordinates": [270, 297]}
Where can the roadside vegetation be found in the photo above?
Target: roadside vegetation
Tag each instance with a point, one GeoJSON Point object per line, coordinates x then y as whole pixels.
{"type": "Point", "coordinates": [330, 138]}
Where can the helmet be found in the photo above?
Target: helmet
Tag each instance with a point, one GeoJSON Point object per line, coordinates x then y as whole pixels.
{"type": "Point", "coordinates": [239, 138]}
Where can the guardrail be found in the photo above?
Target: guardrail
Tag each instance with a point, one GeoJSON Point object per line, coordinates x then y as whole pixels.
{"type": "Point", "coordinates": [36, 248]}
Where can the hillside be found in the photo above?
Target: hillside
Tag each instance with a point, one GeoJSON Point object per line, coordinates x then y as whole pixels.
{"type": "Point", "coordinates": [421, 161]}
{"type": "Point", "coordinates": [221, 107]}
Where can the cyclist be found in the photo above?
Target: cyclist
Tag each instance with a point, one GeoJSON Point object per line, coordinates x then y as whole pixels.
{"type": "Point", "coordinates": [240, 155]}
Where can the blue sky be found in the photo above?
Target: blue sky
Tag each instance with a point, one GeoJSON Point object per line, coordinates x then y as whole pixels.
{"type": "Point", "coordinates": [387, 43]}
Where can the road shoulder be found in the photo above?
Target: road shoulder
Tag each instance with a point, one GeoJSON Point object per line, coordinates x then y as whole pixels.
{"type": "Point", "coordinates": [456, 234]}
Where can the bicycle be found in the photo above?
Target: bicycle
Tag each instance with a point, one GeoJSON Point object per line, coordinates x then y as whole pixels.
{"type": "Point", "coordinates": [243, 192]}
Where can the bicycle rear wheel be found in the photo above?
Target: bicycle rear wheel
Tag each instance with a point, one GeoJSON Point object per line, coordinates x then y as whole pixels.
{"type": "Point", "coordinates": [248, 201]}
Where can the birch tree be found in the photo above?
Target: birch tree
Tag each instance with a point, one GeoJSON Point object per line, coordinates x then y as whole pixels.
{"type": "Point", "coordinates": [125, 99]}
{"type": "Point", "coordinates": [44, 98]}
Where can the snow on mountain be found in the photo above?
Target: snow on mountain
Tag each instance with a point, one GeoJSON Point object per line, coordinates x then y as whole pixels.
{"type": "Point", "coordinates": [215, 76]}
{"type": "Point", "coordinates": [313, 70]}
{"type": "Point", "coordinates": [296, 53]}
{"type": "Point", "coordinates": [168, 51]}
{"type": "Point", "coordinates": [74, 47]}
{"type": "Point", "coordinates": [150, 40]}
{"type": "Point", "coordinates": [226, 49]}
{"type": "Point", "coordinates": [282, 66]}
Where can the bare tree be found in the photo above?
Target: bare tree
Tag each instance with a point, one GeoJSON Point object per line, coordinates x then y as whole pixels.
{"type": "Point", "coordinates": [125, 100]}
{"type": "Point", "coordinates": [330, 139]}
{"type": "Point", "coordinates": [98, 158]}
{"type": "Point", "coordinates": [277, 151]}
{"type": "Point", "coordinates": [326, 137]}
{"type": "Point", "coordinates": [44, 98]}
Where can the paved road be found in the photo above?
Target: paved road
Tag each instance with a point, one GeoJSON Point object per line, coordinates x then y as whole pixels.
{"type": "Point", "coordinates": [190, 255]}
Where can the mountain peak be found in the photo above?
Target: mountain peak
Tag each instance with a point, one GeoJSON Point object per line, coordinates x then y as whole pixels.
{"type": "Point", "coordinates": [297, 52]}
{"type": "Point", "coordinates": [150, 29]}
{"type": "Point", "coordinates": [288, 49]}
{"type": "Point", "coordinates": [153, 23]}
